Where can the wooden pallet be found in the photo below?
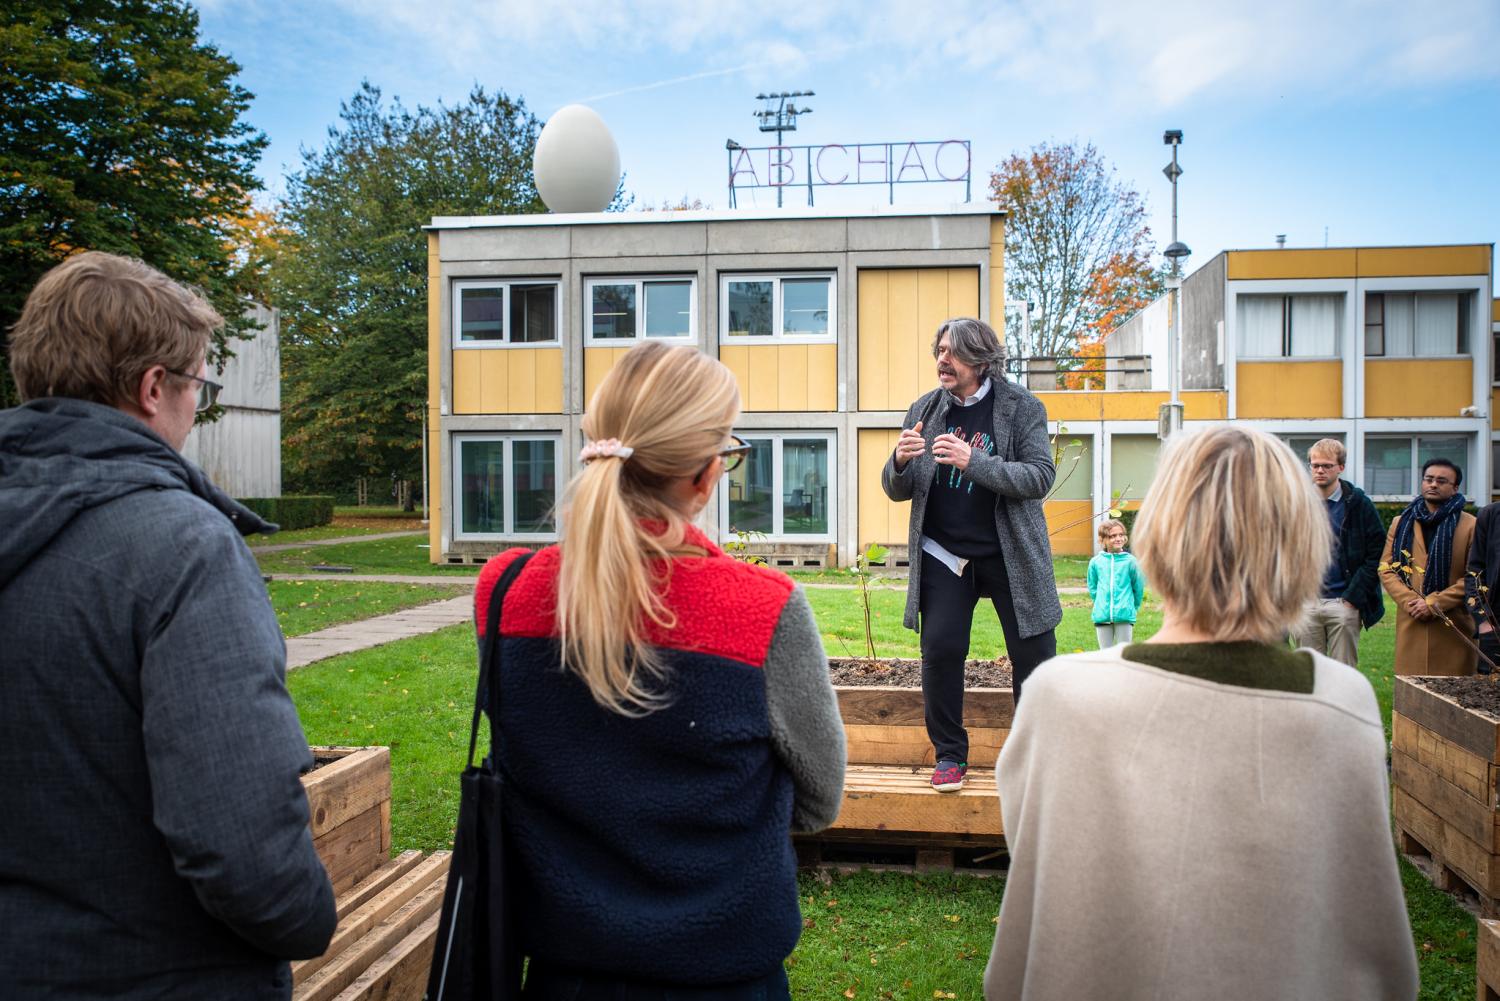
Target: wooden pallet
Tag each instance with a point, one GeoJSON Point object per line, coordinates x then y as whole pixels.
{"type": "Point", "coordinates": [1426, 841]}
{"type": "Point", "coordinates": [349, 800]}
{"type": "Point", "coordinates": [382, 948]}
{"type": "Point", "coordinates": [1488, 961]}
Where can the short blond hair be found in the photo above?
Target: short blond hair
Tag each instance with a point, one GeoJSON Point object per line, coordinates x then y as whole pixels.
{"type": "Point", "coordinates": [1331, 447]}
{"type": "Point", "coordinates": [97, 322]}
{"type": "Point", "coordinates": [1233, 534]}
{"type": "Point", "coordinates": [1109, 525]}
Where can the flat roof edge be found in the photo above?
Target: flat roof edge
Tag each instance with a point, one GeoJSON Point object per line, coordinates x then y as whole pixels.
{"type": "Point", "coordinates": [708, 215]}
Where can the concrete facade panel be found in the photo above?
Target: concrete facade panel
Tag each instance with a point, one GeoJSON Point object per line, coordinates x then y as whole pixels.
{"type": "Point", "coordinates": [919, 233]}
{"type": "Point", "coordinates": [508, 243]}
{"type": "Point", "coordinates": [664, 239]}
{"type": "Point", "coordinates": [772, 237]}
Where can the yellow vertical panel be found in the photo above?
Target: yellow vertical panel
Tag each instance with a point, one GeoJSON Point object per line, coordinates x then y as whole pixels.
{"type": "Point", "coordinates": [763, 379]}
{"type": "Point", "coordinates": [1070, 527]}
{"type": "Point", "coordinates": [467, 385]}
{"type": "Point", "coordinates": [963, 292]}
{"type": "Point", "coordinates": [549, 381]}
{"type": "Point", "coordinates": [997, 275]}
{"type": "Point", "coordinates": [933, 307]}
{"type": "Point", "coordinates": [1495, 311]}
{"type": "Point", "coordinates": [1418, 387]}
{"type": "Point", "coordinates": [879, 518]}
{"type": "Point", "coordinates": [874, 324]}
{"type": "Point", "coordinates": [436, 345]}
{"type": "Point", "coordinates": [822, 377]}
{"type": "Point", "coordinates": [736, 358]}
{"type": "Point", "coordinates": [597, 363]}
{"type": "Point", "coordinates": [494, 382]}
{"type": "Point", "coordinates": [521, 381]}
{"type": "Point", "coordinates": [791, 377]}
{"type": "Point", "coordinates": [904, 331]}
{"type": "Point", "coordinates": [1289, 389]}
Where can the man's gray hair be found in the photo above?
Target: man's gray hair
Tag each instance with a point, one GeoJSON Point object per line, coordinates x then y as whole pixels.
{"type": "Point", "coordinates": [974, 343]}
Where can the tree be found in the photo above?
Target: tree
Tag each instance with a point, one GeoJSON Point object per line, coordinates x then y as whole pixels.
{"type": "Point", "coordinates": [120, 131]}
{"type": "Point", "coordinates": [350, 272]}
{"type": "Point", "coordinates": [1077, 248]}
{"type": "Point", "coordinates": [1124, 285]}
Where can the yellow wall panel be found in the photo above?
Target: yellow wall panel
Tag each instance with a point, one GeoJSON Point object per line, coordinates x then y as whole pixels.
{"type": "Point", "coordinates": [507, 381]}
{"type": "Point", "coordinates": [1255, 264]}
{"type": "Point", "coordinates": [1200, 405]}
{"type": "Point", "coordinates": [762, 389]}
{"type": "Point", "coordinates": [1274, 389]}
{"type": "Point", "coordinates": [899, 311]}
{"type": "Point", "coordinates": [822, 377]}
{"type": "Point", "coordinates": [1495, 311]}
{"type": "Point", "coordinates": [596, 365]}
{"type": "Point", "coordinates": [1418, 387]}
{"type": "Point", "coordinates": [1070, 526]}
{"type": "Point", "coordinates": [1399, 262]}
{"type": "Point", "coordinates": [1494, 410]}
{"type": "Point", "coordinates": [881, 519]}
{"type": "Point", "coordinates": [997, 276]}
{"type": "Point", "coordinates": [791, 377]}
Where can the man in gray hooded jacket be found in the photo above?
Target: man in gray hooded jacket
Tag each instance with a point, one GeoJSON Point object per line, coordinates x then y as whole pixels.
{"type": "Point", "coordinates": [155, 828]}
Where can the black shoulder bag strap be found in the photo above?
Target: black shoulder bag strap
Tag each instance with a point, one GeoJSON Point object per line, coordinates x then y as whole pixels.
{"type": "Point", "coordinates": [489, 653]}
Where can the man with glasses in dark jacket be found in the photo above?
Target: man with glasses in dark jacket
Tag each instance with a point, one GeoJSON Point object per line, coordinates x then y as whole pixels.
{"type": "Point", "coordinates": [155, 825]}
{"type": "Point", "coordinates": [1352, 596]}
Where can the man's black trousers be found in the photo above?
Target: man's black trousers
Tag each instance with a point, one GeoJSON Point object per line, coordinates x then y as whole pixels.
{"type": "Point", "coordinates": [947, 608]}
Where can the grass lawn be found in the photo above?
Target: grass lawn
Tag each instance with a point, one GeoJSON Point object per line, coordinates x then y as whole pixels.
{"type": "Point", "coordinates": [415, 696]}
{"type": "Point", "coordinates": [307, 606]}
{"type": "Point", "coordinates": [334, 531]}
{"type": "Point", "coordinates": [374, 511]}
{"type": "Point", "coordinates": [407, 555]}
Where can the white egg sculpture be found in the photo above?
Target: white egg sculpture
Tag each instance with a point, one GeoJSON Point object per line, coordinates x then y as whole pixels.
{"type": "Point", "coordinates": [576, 163]}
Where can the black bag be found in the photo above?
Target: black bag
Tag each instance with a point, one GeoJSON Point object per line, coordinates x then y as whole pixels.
{"type": "Point", "coordinates": [476, 955]}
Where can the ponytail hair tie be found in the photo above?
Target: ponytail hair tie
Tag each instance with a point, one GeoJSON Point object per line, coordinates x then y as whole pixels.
{"type": "Point", "coordinates": [605, 448]}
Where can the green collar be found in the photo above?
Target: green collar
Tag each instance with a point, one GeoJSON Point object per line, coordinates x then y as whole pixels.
{"type": "Point", "coordinates": [1246, 665]}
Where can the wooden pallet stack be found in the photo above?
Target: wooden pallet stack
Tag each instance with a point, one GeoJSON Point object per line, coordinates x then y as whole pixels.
{"type": "Point", "coordinates": [1488, 960]}
{"type": "Point", "coordinates": [1445, 771]}
{"type": "Point", "coordinates": [387, 907]}
{"type": "Point", "coordinates": [888, 801]}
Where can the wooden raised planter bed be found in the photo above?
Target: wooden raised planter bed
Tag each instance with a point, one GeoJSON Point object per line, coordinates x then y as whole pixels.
{"type": "Point", "coordinates": [888, 800]}
{"type": "Point", "coordinates": [387, 907]}
{"type": "Point", "coordinates": [1488, 960]}
{"type": "Point", "coordinates": [1445, 764]}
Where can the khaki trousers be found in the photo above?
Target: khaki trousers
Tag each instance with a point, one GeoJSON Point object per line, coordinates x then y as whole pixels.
{"type": "Point", "coordinates": [1332, 628]}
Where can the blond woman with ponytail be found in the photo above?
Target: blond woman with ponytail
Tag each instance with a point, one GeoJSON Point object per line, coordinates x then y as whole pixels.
{"type": "Point", "coordinates": [663, 714]}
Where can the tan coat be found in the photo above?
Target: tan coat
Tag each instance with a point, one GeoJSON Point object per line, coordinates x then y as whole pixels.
{"type": "Point", "coordinates": [1431, 646]}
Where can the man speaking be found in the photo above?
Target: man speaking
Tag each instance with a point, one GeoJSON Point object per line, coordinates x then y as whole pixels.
{"type": "Point", "coordinates": [975, 461]}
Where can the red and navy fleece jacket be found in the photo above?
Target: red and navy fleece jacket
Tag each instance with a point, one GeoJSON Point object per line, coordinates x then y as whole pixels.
{"type": "Point", "coordinates": [656, 847]}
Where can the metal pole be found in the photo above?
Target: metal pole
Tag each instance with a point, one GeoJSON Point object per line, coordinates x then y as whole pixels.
{"type": "Point", "coordinates": [1175, 345]}
{"type": "Point", "coordinates": [778, 146]}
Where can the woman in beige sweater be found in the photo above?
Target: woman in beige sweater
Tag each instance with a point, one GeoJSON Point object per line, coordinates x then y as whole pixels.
{"type": "Point", "coordinates": [1205, 814]}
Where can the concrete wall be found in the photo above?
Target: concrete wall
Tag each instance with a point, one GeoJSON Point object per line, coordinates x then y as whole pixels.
{"type": "Point", "coordinates": [241, 451]}
{"type": "Point", "coordinates": [1203, 327]}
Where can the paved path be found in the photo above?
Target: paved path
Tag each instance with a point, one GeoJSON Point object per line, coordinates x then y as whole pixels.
{"type": "Point", "coordinates": [361, 635]}
{"type": "Point", "coordinates": [283, 546]}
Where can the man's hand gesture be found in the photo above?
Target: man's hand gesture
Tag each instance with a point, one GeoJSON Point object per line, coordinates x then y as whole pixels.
{"type": "Point", "coordinates": [909, 445]}
{"type": "Point", "coordinates": [951, 450]}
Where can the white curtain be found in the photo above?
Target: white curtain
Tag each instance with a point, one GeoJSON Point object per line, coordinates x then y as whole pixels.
{"type": "Point", "coordinates": [1398, 324]}
{"type": "Point", "coordinates": [1315, 325]}
{"type": "Point", "coordinates": [1436, 324]}
{"type": "Point", "coordinates": [1260, 326]}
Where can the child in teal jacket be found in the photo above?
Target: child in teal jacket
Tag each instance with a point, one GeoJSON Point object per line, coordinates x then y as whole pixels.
{"type": "Point", "coordinates": [1116, 585]}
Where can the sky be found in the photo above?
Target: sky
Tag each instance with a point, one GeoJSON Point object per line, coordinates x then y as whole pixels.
{"type": "Point", "coordinates": [1334, 122]}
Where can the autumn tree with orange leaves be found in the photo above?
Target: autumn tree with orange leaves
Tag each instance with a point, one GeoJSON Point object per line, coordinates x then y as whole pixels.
{"type": "Point", "coordinates": [1078, 249]}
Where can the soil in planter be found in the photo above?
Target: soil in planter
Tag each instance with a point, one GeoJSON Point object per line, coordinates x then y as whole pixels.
{"type": "Point", "coordinates": [1477, 692]}
{"type": "Point", "coordinates": [908, 673]}
{"type": "Point", "coordinates": [320, 760]}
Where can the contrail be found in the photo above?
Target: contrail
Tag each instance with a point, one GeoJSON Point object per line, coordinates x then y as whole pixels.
{"type": "Point", "coordinates": [668, 83]}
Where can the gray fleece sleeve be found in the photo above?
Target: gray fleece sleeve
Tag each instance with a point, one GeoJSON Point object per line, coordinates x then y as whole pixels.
{"type": "Point", "coordinates": [806, 728]}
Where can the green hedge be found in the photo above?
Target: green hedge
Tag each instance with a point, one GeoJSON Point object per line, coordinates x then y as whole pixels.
{"type": "Point", "coordinates": [293, 512]}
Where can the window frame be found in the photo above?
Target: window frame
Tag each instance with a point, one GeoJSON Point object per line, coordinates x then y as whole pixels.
{"type": "Point", "coordinates": [1463, 336]}
{"type": "Point", "coordinates": [777, 309]}
{"type": "Point", "coordinates": [1413, 439]}
{"type": "Point", "coordinates": [778, 486]}
{"type": "Point", "coordinates": [1288, 328]}
{"type": "Point", "coordinates": [640, 281]}
{"type": "Point", "coordinates": [505, 343]}
{"type": "Point", "coordinates": [508, 502]}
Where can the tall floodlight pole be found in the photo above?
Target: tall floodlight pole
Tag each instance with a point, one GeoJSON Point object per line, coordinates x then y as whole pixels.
{"type": "Point", "coordinates": [1170, 419]}
{"type": "Point", "coordinates": [779, 116]}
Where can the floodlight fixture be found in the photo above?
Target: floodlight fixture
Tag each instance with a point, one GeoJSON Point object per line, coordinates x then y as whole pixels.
{"type": "Point", "coordinates": [1172, 137]}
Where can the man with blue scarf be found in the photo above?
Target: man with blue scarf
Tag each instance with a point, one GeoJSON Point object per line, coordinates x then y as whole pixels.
{"type": "Point", "coordinates": [1426, 580]}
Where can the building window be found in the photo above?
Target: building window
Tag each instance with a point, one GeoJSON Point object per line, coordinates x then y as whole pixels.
{"type": "Point", "coordinates": [1393, 463]}
{"type": "Point", "coordinates": [1300, 442]}
{"type": "Point", "coordinates": [1290, 326]}
{"type": "Point", "coordinates": [1074, 455]}
{"type": "Point", "coordinates": [626, 309]}
{"type": "Point", "coordinates": [784, 488]}
{"type": "Point", "coordinates": [507, 486]}
{"type": "Point", "coordinates": [1132, 465]}
{"type": "Point", "coordinates": [1416, 324]}
{"type": "Point", "coordinates": [795, 308]}
{"type": "Point", "coordinates": [500, 314]}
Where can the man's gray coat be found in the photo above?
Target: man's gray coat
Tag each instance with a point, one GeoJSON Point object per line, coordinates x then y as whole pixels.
{"type": "Point", "coordinates": [1019, 473]}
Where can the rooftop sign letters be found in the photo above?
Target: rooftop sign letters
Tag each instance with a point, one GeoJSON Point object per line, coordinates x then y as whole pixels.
{"type": "Point", "coordinates": [837, 165]}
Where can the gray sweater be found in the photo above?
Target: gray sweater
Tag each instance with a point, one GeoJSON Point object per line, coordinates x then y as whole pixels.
{"type": "Point", "coordinates": [1173, 837]}
{"type": "Point", "coordinates": [1019, 474]}
{"type": "Point", "coordinates": [155, 828]}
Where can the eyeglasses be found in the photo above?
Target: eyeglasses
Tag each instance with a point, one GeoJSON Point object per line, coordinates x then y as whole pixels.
{"type": "Point", "coordinates": [208, 390]}
{"type": "Point", "coordinates": [1322, 466]}
{"type": "Point", "coordinates": [1437, 481]}
{"type": "Point", "coordinates": [735, 454]}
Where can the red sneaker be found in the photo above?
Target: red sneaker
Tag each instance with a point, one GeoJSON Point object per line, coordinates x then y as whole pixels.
{"type": "Point", "coordinates": [948, 776]}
